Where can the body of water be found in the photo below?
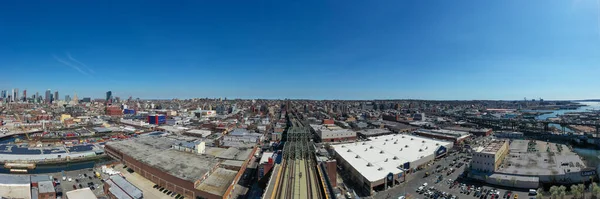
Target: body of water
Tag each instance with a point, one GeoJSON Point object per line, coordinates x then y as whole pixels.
{"type": "Point", "coordinates": [590, 106]}
{"type": "Point", "coordinates": [62, 167]}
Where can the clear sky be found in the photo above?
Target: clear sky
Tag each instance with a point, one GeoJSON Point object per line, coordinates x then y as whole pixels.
{"type": "Point", "coordinates": [433, 49]}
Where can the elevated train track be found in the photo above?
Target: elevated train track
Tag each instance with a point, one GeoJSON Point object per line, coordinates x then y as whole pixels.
{"type": "Point", "coordinates": [299, 177]}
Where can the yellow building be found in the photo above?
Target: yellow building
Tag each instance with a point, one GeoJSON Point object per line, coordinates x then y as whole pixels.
{"type": "Point", "coordinates": [63, 117]}
{"type": "Point", "coordinates": [488, 158]}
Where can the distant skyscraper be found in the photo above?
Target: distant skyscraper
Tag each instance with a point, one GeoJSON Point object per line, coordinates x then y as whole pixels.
{"type": "Point", "coordinates": [12, 94]}
{"type": "Point", "coordinates": [108, 96]}
{"type": "Point", "coordinates": [75, 99]}
{"type": "Point", "coordinates": [36, 98]}
{"type": "Point", "coordinates": [67, 98]}
{"type": "Point", "coordinates": [16, 95]}
{"type": "Point", "coordinates": [48, 96]}
{"type": "Point", "coordinates": [56, 97]}
{"type": "Point", "coordinates": [25, 95]}
{"type": "Point", "coordinates": [3, 95]}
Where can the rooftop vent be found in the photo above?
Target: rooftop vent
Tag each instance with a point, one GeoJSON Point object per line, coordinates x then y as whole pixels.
{"type": "Point", "coordinates": [385, 160]}
{"type": "Point", "coordinates": [364, 143]}
{"type": "Point", "coordinates": [426, 147]}
{"type": "Point", "coordinates": [366, 149]}
{"type": "Point", "coordinates": [357, 156]}
{"type": "Point", "coordinates": [386, 140]}
{"type": "Point", "coordinates": [384, 143]}
{"type": "Point", "coordinates": [395, 158]}
{"type": "Point", "coordinates": [349, 150]}
{"type": "Point", "coordinates": [420, 150]}
{"type": "Point", "coordinates": [396, 142]}
{"type": "Point", "coordinates": [343, 146]}
{"type": "Point", "coordinates": [423, 141]}
{"type": "Point", "coordinates": [406, 146]}
{"type": "Point", "coordinates": [370, 147]}
{"type": "Point", "coordinates": [437, 144]}
{"type": "Point", "coordinates": [402, 136]}
{"type": "Point", "coordinates": [381, 152]}
{"type": "Point", "coordinates": [379, 169]}
{"type": "Point", "coordinates": [412, 138]}
{"type": "Point", "coordinates": [400, 149]}
{"type": "Point", "coordinates": [369, 164]}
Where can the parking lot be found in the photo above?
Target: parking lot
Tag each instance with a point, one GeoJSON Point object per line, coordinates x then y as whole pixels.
{"type": "Point", "coordinates": [147, 187]}
{"type": "Point", "coordinates": [80, 179]}
{"type": "Point", "coordinates": [446, 183]}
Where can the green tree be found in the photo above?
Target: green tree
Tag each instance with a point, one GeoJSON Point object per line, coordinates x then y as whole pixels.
{"type": "Point", "coordinates": [554, 192]}
{"type": "Point", "coordinates": [540, 194]}
{"type": "Point", "coordinates": [595, 190]}
{"type": "Point", "coordinates": [562, 191]}
{"type": "Point", "coordinates": [575, 191]}
{"type": "Point", "coordinates": [581, 188]}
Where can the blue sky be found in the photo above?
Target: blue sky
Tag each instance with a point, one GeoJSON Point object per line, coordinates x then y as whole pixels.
{"type": "Point", "coordinates": [434, 49]}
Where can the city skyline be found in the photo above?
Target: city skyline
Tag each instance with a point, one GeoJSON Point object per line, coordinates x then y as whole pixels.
{"type": "Point", "coordinates": [460, 50]}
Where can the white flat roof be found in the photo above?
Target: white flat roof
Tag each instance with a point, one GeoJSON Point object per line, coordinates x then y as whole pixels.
{"type": "Point", "coordinates": [84, 193]}
{"type": "Point", "coordinates": [392, 148]}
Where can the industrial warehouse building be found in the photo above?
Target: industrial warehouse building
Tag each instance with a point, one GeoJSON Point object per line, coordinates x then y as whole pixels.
{"type": "Point", "coordinates": [386, 159]}
{"type": "Point", "coordinates": [444, 134]}
{"type": "Point", "coordinates": [333, 133]}
{"type": "Point", "coordinates": [527, 163]}
{"type": "Point", "coordinates": [191, 174]}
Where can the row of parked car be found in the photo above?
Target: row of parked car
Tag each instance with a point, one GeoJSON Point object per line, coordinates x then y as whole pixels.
{"type": "Point", "coordinates": [168, 192]}
{"type": "Point", "coordinates": [432, 192]}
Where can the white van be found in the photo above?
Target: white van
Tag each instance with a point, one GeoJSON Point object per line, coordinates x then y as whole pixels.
{"type": "Point", "coordinates": [532, 192]}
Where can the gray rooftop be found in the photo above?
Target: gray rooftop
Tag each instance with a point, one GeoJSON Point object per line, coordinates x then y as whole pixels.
{"type": "Point", "coordinates": [218, 182]}
{"type": "Point", "coordinates": [122, 188]}
{"type": "Point", "coordinates": [46, 187]}
{"type": "Point", "coordinates": [14, 179]}
{"type": "Point", "coordinates": [540, 162]}
{"type": "Point", "coordinates": [39, 178]}
{"type": "Point", "coordinates": [156, 152]}
{"type": "Point", "coordinates": [235, 154]}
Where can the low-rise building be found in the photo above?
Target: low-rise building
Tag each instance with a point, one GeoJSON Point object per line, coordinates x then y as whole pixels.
{"type": "Point", "coordinates": [384, 160]}
{"type": "Point", "coordinates": [487, 159]}
{"type": "Point", "coordinates": [46, 190]}
{"type": "Point", "coordinates": [443, 134]}
{"type": "Point", "coordinates": [84, 193]}
{"type": "Point", "coordinates": [116, 187]}
{"type": "Point", "coordinates": [333, 133]}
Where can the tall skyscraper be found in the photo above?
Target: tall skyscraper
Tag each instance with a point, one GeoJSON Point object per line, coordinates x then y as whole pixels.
{"type": "Point", "coordinates": [24, 96]}
{"type": "Point", "coordinates": [56, 97]}
{"type": "Point", "coordinates": [3, 94]}
{"type": "Point", "coordinates": [67, 98]}
{"type": "Point", "coordinates": [109, 97]}
{"type": "Point", "coordinates": [16, 95]}
{"type": "Point", "coordinates": [48, 96]}
{"type": "Point", "coordinates": [75, 99]}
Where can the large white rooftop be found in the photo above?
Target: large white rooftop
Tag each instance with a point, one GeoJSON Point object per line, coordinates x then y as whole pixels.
{"type": "Point", "coordinates": [382, 155]}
